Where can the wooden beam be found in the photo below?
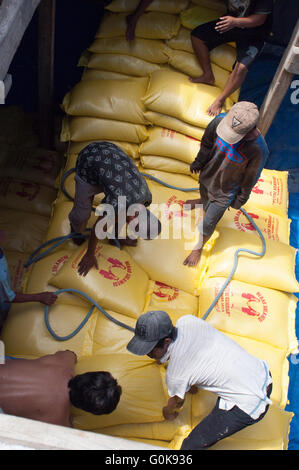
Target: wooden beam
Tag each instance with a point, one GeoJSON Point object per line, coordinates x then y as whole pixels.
{"type": "Point", "coordinates": [43, 436]}
{"type": "Point", "coordinates": [46, 40]}
{"type": "Point", "coordinates": [280, 83]}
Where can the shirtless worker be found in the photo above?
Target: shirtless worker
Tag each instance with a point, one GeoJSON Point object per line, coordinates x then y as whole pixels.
{"type": "Point", "coordinates": [230, 160]}
{"type": "Point", "coordinates": [246, 23]}
{"type": "Point", "coordinates": [44, 389]}
{"type": "Point", "coordinates": [103, 167]}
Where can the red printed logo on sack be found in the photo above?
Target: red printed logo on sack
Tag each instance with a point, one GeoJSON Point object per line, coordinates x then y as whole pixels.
{"type": "Point", "coordinates": [256, 306]}
{"type": "Point", "coordinates": [244, 225]}
{"type": "Point", "coordinates": [175, 213]}
{"type": "Point", "coordinates": [165, 292]}
{"type": "Point", "coordinates": [117, 271]}
{"type": "Point", "coordinates": [28, 190]}
{"type": "Point", "coordinates": [257, 189]}
{"type": "Point", "coordinates": [58, 264]}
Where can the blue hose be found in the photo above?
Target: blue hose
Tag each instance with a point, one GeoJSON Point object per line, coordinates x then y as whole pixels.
{"type": "Point", "coordinates": [235, 265]}
{"type": "Point", "coordinates": [58, 241]}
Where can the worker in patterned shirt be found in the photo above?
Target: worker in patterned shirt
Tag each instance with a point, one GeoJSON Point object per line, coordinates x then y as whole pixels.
{"type": "Point", "coordinates": [102, 167]}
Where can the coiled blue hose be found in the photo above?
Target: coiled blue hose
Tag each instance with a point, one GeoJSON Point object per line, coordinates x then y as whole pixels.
{"type": "Point", "coordinates": [58, 241]}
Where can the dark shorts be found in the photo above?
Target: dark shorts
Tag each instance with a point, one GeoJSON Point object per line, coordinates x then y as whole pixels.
{"type": "Point", "coordinates": [213, 212]}
{"type": "Point", "coordinates": [249, 42]}
{"type": "Point", "coordinates": [220, 424]}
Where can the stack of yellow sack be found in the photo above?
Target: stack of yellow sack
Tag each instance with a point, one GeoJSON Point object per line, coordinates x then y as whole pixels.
{"type": "Point", "coordinates": [159, 116]}
{"type": "Point", "coordinates": [27, 177]}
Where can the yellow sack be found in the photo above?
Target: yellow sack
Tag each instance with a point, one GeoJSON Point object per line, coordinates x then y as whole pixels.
{"type": "Point", "coordinates": [259, 313]}
{"type": "Point", "coordinates": [165, 6]}
{"type": "Point", "coordinates": [138, 377]}
{"type": "Point", "coordinates": [182, 181]}
{"type": "Point", "coordinates": [172, 300]}
{"type": "Point", "coordinates": [151, 25]}
{"type": "Point", "coordinates": [168, 143]}
{"type": "Point", "coordinates": [22, 195]}
{"type": "Point", "coordinates": [198, 15]}
{"type": "Point", "coordinates": [25, 331]}
{"type": "Point", "coordinates": [217, 5]}
{"type": "Point", "coordinates": [17, 271]}
{"type": "Point", "coordinates": [60, 225]}
{"type": "Point", "coordinates": [271, 192]}
{"type": "Point", "coordinates": [32, 164]}
{"type": "Point", "coordinates": [273, 226]}
{"type": "Point", "coordinates": [187, 63]}
{"type": "Point", "coordinates": [105, 336]}
{"type": "Point", "coordinates": [163, 259]}
{"type": "Point", "coordinates": [274, 270]}
{"type": "Point", "coordinates": [168, 122]}
{"type": "Point", "coordinates": [163, 430]}
{"type": "Point", "coordinates": [271, 433]}
{"type": "Point", "coordinates": [168, 203]}
{"type": "Point", "coordinates": [166, 164]}
{"type": "Point", "coordinates": [24, 232]}
{"type": "Point", "coordinates": [150, 50]}
{"type": "Point", "coordinates": [47, 267]}
{"type": "Point", "coordinates": [92, 74]}
{"type": "Point", "coordinates": [223, 55]}
{"type": "Point", "coordinates": [279, 366]}
{"type": "Point", "coordinates": [118, 284]}
{"type": "Point", "coordinates": [121, 63]}
{"type": "Point", "coordinates": [172, 93]}
{"type": "Point", "coordinates": [82, 129]}
{"type": "Point", "coordinates": [106, 99]}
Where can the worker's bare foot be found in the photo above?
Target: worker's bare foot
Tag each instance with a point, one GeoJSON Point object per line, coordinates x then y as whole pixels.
{"type": "Point", "coordinates": [193, 258]}
{"type": "Point", "coordinates": [215, 108]}
{"type": "Point", "coordinates": [208, 79]}
{"type": "Point", "coordinates": [190, 204]}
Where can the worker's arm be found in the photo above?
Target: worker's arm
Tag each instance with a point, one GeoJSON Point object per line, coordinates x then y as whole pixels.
{"type": "Point", "coordinates": [89, 259]}
{"type": "Point", "coordinates": [171, 410]}
{"type": "Point", "coordinates": [227, 23]}
{"type": "Point", "coordinates": [207, 143]}
{"type": "Point", "coordinates": [251, 175]}
{"type": "Point", "coordinates": [134, 17]}
{"type": "Point", "coordinates": [47, 298]}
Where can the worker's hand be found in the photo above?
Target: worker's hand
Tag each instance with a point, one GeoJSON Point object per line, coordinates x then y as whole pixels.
{"type": "Point", "coordinates": [131, 26]}
{"type": "Point", "coordinates": [47, 298]}
{"type": "Point", "coordinates": [193, 389]}
{"type": "Point", "coordinates": [87, 262]}
{"type": "Point", "coordinates": [194, 167]}
{"type": "Point", "coordinates": [225, 24]}
{"type": "Point", "coordinates": [170, 415]}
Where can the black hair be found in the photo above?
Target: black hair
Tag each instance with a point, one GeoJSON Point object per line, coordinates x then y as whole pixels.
{"type": "Point", "coordinates": [95, 392]}
{"type": "Point", "coordinates": [171, 335]}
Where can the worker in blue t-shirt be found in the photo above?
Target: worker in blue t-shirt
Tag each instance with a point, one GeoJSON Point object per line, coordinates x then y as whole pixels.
{"type": "Point", "coordinates": [7, 295]}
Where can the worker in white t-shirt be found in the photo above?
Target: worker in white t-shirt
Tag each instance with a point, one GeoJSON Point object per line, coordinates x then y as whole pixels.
{"type": "Point", "coordinates": [198, 355]}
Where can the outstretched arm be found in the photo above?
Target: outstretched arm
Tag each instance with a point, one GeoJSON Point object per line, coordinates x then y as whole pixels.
{"type": "Point", "coordinates": [47, 298]}
{"type": "Point", "coordinates": [134, 17]}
